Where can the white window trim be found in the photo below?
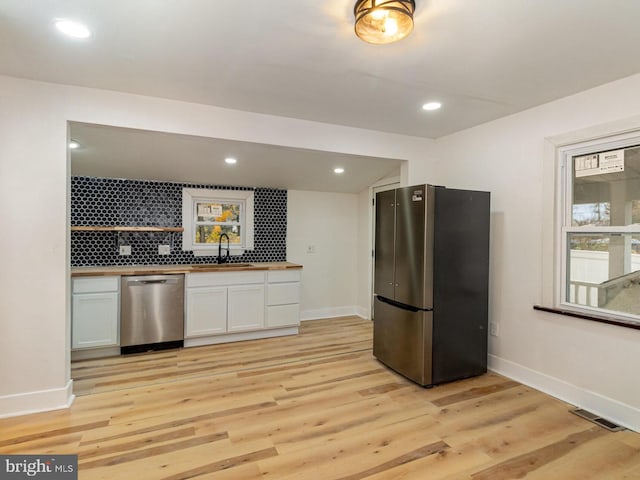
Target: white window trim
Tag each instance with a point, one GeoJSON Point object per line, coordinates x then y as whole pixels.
{"type": "Point", "coordinates": [191, 195]}
{"type": "Point", "coordinates": [563, 153]}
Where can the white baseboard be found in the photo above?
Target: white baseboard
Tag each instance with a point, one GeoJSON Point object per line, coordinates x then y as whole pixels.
{"type": "Point", "coordinates": [608, 408]}
{"type": "Point", "coordinates": [36, 402]}
{"type": "Point", "coordinates": [363, 313]}
{"type": "Point", "coordinates": [329, 312]}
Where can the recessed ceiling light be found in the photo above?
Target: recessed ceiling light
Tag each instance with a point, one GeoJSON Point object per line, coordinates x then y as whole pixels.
{"type": "Point", "coordinates": [71, 28]}
{"type": "Point", "coordinates": [338, 170]}
{"type": "Point", "coordinates": [230, 161]}
{"type": "Point", "coordinates": [431, 106]}
{"type": "Point", "coordinates": [73, 144]}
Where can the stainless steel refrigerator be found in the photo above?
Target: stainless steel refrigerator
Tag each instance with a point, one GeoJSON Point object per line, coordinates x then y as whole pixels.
{"type": "Point", "coordinates": [431, 282]}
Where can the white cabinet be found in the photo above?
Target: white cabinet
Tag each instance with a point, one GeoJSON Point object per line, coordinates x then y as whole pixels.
{"type": "Point", "coordinates": [206, 309]}
{"type": "Point", "coordinates": [220, 307]}
{"type": "Point", "coordinates": [95, 312]}
{"type": "Point", "coordinates": [222, 302]}
{"type": "Point", "coordinates": [241, 305]}
{"type": "Point", "coordinates": [246, 307]}
{"type": "Point", "coordinates": [283, 298]}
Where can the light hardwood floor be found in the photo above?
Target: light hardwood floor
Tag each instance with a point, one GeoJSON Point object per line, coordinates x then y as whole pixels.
{"type": "Point", "coordinates": [314, 406]}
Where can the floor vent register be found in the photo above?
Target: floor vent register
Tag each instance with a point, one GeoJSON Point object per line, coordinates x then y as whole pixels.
{"type": "Point", "coordinates": [603, 422]}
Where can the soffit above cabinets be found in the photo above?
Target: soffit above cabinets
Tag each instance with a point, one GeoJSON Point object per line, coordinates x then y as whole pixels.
{"type": "Point", "coordinates": [113, 152]}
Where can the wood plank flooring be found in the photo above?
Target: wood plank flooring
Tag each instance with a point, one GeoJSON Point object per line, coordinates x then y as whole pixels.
{"type": "Point", "coordinates": [313, 345]}
{"type": "Point", "coordinates": [314, 406]}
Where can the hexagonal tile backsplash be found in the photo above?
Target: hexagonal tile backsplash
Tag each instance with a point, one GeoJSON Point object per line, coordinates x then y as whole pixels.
{"type": "Point", "coordinates": [108, 201]}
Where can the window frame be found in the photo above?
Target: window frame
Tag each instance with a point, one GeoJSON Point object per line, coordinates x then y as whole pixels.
{"type": "Point", "coordinates": [239, 224]}
{"type": "Point", "coordinates": [192, 196]}
{"type": "Point", "coordinates": [564, 218]}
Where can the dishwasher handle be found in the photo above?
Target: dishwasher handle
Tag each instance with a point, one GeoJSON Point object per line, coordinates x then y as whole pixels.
{"type": "Point", "coordinates": [151, 282]}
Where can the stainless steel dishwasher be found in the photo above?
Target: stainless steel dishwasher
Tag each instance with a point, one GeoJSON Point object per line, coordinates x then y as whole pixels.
{"type": "Point", "coordinates": [151, 312]}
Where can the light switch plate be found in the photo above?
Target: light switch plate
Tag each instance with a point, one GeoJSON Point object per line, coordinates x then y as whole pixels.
{"type": "Point", "coordinates": [164, 249]}
{"type": "Point", "coordinates": [494, 329]}
{"type": "Point", "coordinates": [125, 249]}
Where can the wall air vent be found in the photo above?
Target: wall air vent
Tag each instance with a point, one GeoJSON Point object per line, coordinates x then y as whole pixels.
{"type": "Point", "coordinates": [603, 422]}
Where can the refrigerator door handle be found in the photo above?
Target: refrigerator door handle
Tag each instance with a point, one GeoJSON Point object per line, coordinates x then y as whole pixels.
{"type": "Point", "coordinates": [403, 306]}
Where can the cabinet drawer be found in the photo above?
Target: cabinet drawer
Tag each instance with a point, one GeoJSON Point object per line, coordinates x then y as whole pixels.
{"type": "Point", "coordinates": [282, 315]}
{"type": "Point", "coordinates": [213, 279]}
{"type": "Point", "coordinates": [96, 284]}
{"type": "Point", "coordinates": [283, 293]}
{"type": "Point", "coordinates": [282, 276]}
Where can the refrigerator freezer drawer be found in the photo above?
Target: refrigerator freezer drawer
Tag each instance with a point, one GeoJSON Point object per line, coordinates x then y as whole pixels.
{"type": "Point", "coordinates": [402, 341]}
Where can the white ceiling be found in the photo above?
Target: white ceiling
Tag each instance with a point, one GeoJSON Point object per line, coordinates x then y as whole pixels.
{"type": "Point", "coordinates": [482, 59]}
{"type": "Point", "coordinates": [138, 154]}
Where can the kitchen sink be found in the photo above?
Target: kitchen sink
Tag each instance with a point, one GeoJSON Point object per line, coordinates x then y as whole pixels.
{"type": "Point", "coordinates": [223, 265]}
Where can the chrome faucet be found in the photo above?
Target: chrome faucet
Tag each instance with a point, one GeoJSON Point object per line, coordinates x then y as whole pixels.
{"type": "Point", "coordinates": [220, 258]}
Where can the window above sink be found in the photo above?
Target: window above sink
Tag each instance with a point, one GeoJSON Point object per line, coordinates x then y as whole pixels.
{"type": "Point", "coordinates": [207, 214]}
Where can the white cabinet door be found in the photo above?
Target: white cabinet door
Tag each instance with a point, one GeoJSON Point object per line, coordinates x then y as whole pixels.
{"type": "Point", "coordinates": [206, 311]}
{"type": "Point", "coordinates": [246, 307]}
{"type": "Point", "coordinates": [95, 320]}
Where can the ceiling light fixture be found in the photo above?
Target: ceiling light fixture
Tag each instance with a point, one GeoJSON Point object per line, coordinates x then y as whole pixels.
{"type": "Point", "coordinates": [383, 21]}
{"type": "Point", "coordinates": [431, 106]}
{"type": "Point", "coordinates": [71, 28]}
{"type": "Point", "coordinates": [230, 161]}
{"type": "Point", "coordinates": [73, 145]}
{"type": "Point", "coordinates": [338, 170]}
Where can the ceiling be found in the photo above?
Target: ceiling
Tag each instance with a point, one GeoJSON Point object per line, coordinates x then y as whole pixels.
{"type": "Point", "coordinates": [300, 59]}
{"type": "Point", "coordinates": [138, 154]}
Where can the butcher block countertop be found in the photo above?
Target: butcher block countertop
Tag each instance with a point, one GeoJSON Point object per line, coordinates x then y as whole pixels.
{"type": "Point", "coordinates": [168, 269]}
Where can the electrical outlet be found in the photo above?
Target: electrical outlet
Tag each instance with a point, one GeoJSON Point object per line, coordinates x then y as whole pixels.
{"type": "Point", "coordinates": [125, 249]}
{"type": "Point", "coordinates": [311, 249]}
{"type": "Point", "coordinates": [164, 249]}
{"type": "Point", "coordinates": [494, 329]}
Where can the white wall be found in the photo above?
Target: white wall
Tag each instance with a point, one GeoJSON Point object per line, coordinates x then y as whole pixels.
{"type": "Point", "coordinates": [329, 223]}
{"type": "Point", "coordinates": [34, 333]}
{"type": "Point", "coordinates": [34, 311]}
{"type": "Point", "coordinates": [364, 258]}
{"type": "Point", "coordinates": [587, 363]}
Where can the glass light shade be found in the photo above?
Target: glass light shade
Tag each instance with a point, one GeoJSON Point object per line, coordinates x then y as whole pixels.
{"type": "Point", "coordinates": [383, 21]}
{"type": "Point", "coordinates": [73, 29]}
